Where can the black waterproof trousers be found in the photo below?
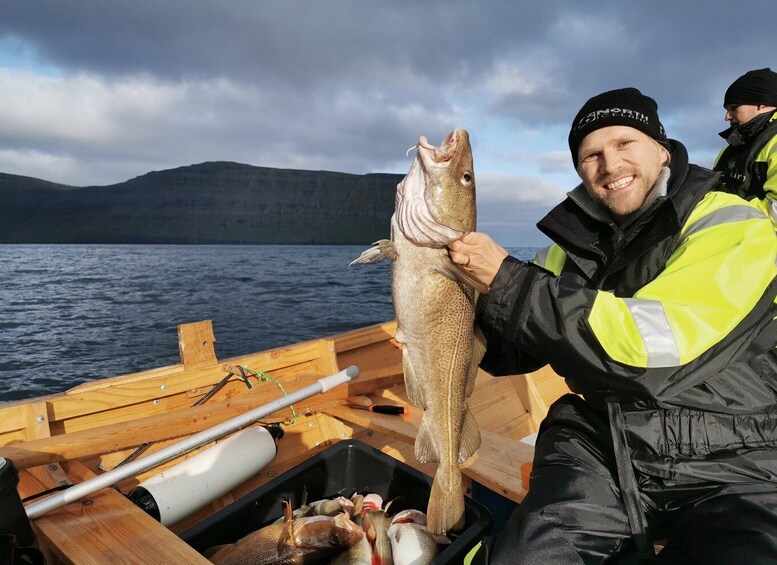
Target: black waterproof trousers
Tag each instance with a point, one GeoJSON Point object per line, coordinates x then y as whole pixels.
{"type": "Point", "coordinates": [573, 512]}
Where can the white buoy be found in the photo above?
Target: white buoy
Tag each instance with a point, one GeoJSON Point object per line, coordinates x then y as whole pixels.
{"type": "Point", "coordinates": [188, 486]}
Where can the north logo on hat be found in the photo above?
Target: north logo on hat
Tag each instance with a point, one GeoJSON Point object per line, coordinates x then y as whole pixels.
{"type": "Point", "coordinates": [625, 113]}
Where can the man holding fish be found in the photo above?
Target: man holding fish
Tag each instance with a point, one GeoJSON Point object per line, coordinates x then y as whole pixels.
{"type": "Point", "coordinates": [656, 304]}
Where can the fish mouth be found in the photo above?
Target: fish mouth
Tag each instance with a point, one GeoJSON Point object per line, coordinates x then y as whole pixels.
{"type": "Point", "coordinates": [442, 155]}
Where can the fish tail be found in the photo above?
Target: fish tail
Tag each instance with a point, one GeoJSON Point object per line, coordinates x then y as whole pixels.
{"type": "Point", "coordinates": [445, 511]}
{"type": "Point", "coordinates": [470, 436]}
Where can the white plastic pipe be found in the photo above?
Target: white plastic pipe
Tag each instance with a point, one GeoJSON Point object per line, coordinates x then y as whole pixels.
{"type": "Point", "coordinates": [77, 492]}
{"type": "Point", "coordinates": [191, 484]}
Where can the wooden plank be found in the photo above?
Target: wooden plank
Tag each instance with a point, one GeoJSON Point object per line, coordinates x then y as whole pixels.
{"type": "Point", "coordinates": [107, 528]}
{"type": "Point", "coordinates": [195, 344]}
{"type": "Point", "coordinates": [498, 408]}
{"type": "Point", "coordinates": [494, 403]}
{"type": "Point", "coordinates": [38, 427]}
{"type": "Point", "coordinates": [343, 342]}
{"type": "Point", "coordinates": [115, 415]}
{"type": "Point", "coordinates": [549, 385]}
{"type": "Point", "coordinates": [127, 393]}
{"type": "Point", "coordinates": [496, 464]}
{"type": "Point", "coordinates": [327, 357]}
{"type": "Point", "coordinates": [115, 437]}
{"type": "Point", "coordinates": [13, 418]}
{"type": "Point", "coordinates": [530, 397]}
{"type": "Point", "coordinates": [84, 389]}
{"type": "Point", "coordinates": [381, 363]}
{"type": "Point", "coordinates": [13, 437]}
{"type": "Point", "coordinates": [107, 382]}
{"type": "Point", "coordinates": [358, 386]}
{"type": "Point", "coordinates": [398, 427]}
{"type": "Point", "coordinates": [37, 420]}
{"type": "Point", "coordinates": [332, 429]}
{"type": "Point", "coordinates": [380, 366]}
{"type": "Point", "coordinates": [365, 336]}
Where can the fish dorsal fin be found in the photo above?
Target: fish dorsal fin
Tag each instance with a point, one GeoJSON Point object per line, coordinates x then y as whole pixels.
{"type": "Point", "coordinates": [288, 512]}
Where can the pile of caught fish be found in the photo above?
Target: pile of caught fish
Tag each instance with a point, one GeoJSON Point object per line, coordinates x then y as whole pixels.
{"type": "Point", "coordinates": [356, 530]}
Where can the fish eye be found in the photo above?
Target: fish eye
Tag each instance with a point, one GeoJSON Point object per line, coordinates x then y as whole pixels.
{"type": "Point", "coordinates": [334, 540]}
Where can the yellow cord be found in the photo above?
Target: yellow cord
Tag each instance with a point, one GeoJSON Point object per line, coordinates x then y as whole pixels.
{"type": "Point", "coordinates": [264, 377]}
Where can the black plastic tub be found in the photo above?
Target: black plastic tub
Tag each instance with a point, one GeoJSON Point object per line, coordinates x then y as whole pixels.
{"type": "Point", "coordinates": [346, 467]}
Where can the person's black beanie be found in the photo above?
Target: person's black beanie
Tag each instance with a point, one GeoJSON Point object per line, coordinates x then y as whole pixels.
{"type": "Point", "coordinates": [622, 107]}
{"type": "Point", "coordinates": [754, 87]}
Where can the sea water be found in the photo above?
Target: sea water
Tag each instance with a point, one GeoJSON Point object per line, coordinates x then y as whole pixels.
{"type": "Point", "coordinates": [76, 313]}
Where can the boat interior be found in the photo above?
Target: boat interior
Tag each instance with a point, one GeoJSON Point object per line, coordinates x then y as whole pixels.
{"type": "Point", "coordinates": [70, 437]}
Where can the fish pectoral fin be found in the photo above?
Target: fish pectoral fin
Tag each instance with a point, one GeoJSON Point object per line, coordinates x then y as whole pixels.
{"type": "Point", "coordinates": [470, 437]}
{"type": "Point", "coordinates": [383, 249]}
{"type": "Point", "coordinates": [448, 269]}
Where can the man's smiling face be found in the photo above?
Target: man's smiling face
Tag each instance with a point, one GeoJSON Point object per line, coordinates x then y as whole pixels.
{"type": "Point", "coordinates": [619, 166]}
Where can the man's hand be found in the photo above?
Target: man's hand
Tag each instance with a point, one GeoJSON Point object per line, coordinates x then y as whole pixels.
{"type": "Point", "coordinates": [478, 254]}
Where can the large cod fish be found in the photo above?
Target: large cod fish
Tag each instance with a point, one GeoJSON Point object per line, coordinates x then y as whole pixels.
{"type": "Point", "coordinates": [434, 302]}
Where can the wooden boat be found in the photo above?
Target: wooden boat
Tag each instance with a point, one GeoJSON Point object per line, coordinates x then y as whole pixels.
{"type": "Point", "coordinates": [71, 437]}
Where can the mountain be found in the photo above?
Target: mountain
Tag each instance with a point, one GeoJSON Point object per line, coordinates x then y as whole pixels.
{"type": "Point", "coordinates": [214, 202]}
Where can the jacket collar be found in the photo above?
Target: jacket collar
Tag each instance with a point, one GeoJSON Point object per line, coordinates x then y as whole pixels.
{"type": "Point", "coordinates": [739, 135]}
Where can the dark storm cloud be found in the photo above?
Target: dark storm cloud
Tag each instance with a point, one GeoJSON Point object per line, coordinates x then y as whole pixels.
{"type": "Point", "coordinates": [673, 49]}
{"type": "Point", "coordinates": [97, 91]}
{"type": "Point", "coordinates": [295, 42]}
{"type": "Point", "coordinates": [402, 52]}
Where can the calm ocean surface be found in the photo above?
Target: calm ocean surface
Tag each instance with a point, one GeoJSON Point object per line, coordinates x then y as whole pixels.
{"type": "Point", "coordinates": [76, 313]}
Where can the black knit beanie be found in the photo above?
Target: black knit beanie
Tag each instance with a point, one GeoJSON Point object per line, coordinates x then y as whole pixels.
{"type": "Point", "coordinates": [754, 87]}
{"type": "Point", "coordinates": [622, 107]}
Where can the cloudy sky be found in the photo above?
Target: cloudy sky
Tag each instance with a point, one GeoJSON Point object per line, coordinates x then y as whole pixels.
{"type": "Point", "coordinates": [94, 92]}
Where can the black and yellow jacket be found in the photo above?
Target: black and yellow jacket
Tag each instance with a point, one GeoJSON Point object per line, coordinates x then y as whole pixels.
{"type": "Point", "coordinates": [672, 315]}
{"type": "Point", "coordinates": [748, 163]}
